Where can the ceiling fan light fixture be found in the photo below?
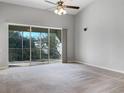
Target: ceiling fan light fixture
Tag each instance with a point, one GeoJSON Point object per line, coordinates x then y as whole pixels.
{"type": "Point", "coordinates": [60, 11]}
{"type": "Point", "coordinates": [60, 7]}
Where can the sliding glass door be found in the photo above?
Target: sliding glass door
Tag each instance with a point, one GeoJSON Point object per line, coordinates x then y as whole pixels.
{"type": "Point", "coordinates": [39, 45]}
{"type": "Point", "coordinates": [34, 45]}
{"type": "Point", "coordinates": [15, 46]}
{"type": "Point", "coordinates": [55, 45]}
{"type": "Point", "coordinates": [19, 45]}
{"type": "Point", "coordinates": [26, 46]}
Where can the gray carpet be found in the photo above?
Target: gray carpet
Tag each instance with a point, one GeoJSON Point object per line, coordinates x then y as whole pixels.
{"type": "Point", "coordinates": [59, 78]}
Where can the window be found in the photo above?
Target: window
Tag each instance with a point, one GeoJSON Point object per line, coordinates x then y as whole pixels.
{"type": "Point", "coordinates": [19, 46]}
{"type": "Point", "coordinates": [29, 44]}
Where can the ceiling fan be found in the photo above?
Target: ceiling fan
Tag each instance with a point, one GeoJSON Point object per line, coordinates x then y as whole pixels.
{"type": "Point", "coordinates": [60, 7]}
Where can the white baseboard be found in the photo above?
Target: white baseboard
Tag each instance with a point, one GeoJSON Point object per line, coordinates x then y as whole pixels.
{"type": "Point", "coordinates": [70, 61]}
{"type": "Point", "coordinates": [101, 67]}
{"type": "Point", "coordinates": [3, 67]}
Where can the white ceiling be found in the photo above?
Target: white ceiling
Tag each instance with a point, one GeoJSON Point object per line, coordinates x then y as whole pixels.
{"type": "Point", "coordinates": [41, 4]}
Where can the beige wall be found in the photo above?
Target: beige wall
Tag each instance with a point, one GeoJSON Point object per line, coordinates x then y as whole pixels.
{"type": "Point", "coordinates": [103, 43]}
{"type": "Point", "coordinates": [3, 45]}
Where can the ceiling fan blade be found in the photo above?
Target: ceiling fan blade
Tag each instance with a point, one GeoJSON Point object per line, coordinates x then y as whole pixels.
{"type": "Point", "coordinates": [74, 7]}
{"type": "Point", "coordinates": [50, 2]}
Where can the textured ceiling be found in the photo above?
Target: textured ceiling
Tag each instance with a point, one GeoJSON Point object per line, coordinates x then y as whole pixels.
{"type": "Point", "coordinates": [41, 4]}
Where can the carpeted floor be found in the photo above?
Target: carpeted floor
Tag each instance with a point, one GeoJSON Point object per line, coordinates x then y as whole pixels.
{"type": "Point", "coordinates": [60, 78]}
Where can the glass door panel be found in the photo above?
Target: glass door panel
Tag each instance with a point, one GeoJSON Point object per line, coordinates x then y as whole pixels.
{"type": "Point", "coordinates": [35, 46]}
{"type": "Point", "coordinates": [39, 38]}
{"type": "Point", "coordinates": [55, 46]}
{"type": "Point", "coordinates": [17, 39]}
{"type": "Point", "coordinates": [15, 46]}
{"type": "Point", "coordinates": [26, 46]}
{"type": "Point", "coordinates": [44, 46]}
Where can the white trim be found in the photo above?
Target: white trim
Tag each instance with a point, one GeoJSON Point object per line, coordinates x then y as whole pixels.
{"type": "Point", "coordinates": [30, 47]}
{"type": "Point", "coordinates": [49, 46]}
{"type": "Point", "coordinates": [101, 67]}
{"type": "Point", "coordinates": [70, 61]}
{"type": "Point", "coordinates": [62, 44]}
{"type": "Point", "coordinates": [3, 67]}
{"type": "Point", "coordinates": [47, 27]}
